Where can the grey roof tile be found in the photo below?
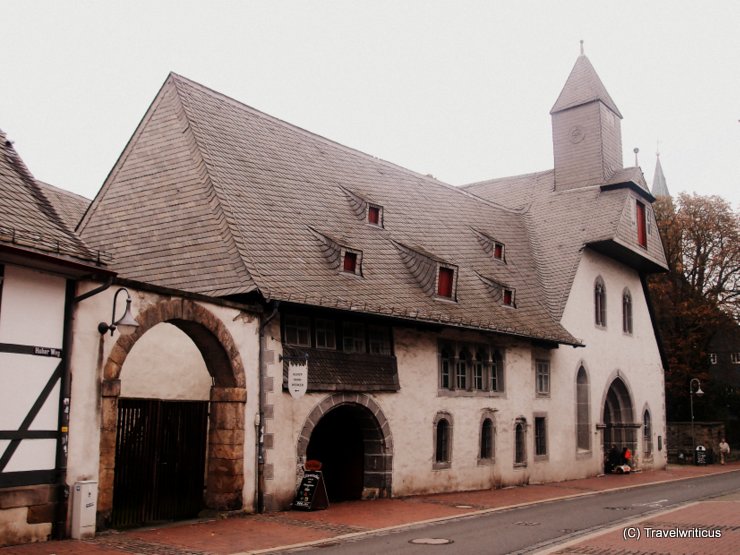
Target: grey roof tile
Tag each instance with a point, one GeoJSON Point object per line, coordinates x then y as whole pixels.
{"type": "Point", "coordinates": [28, 212]}
{"type": "Point", "coordinates": [243, 191]}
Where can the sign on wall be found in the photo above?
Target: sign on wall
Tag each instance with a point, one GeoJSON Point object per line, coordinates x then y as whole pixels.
{"type": "Point", "coordinates": [297, 378]}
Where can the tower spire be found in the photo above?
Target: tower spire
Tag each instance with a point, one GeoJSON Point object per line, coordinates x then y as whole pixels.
{"type": "Point", "coordinates": [660, 187]}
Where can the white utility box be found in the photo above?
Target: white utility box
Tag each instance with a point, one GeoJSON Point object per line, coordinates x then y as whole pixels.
{"type": "Point", "coordinates": [84, 509]}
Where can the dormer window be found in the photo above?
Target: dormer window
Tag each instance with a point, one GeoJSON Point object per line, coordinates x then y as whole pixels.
{"type": "Point", "coordinates": [641, 223]}
{"type": "Point", "coordinates": [351, 262]}
{"type": "Point", "coordinates": [375, 215]}
{"type": "Point", "coordinates": [445, 282]}
{"type": "Point", "coordinates": [508, 297]}
{"type": "Point", "coordinates": [498, 251]}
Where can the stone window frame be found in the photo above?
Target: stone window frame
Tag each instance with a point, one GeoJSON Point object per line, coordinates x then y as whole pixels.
{"type": "Point", "coordinates": [627, 312]}
{"type": "Point", "coordinates": [493, 366]}
{"type": "Point", "coordinates": [487, 415]}
{"type": "Point", "coordinates": [357, 263]}
{"type": "Point", "coordinates": [600, 306]}
{"type": "Point", "coordinates": [647, 433]}
{"type": "Point", "coordinates": [541, 447]}
{"type": "Point", "coordinates": [442, 461]}
{"type": "Point", "coordinates": [520, 442]}
{"type": "Point", "coordinates": [378, 209]}
{"type": "Point", "coordinates": [583, 397]}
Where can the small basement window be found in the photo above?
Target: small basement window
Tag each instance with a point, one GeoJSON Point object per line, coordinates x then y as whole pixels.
{"type": "Point", "coordinates": [375, 215]}
{"type": "Point", "coordinates": [445, 282]}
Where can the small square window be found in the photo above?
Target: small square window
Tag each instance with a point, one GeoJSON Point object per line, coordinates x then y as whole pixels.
{"type": "Point", "coordinates": [297, 331]}
{"type": "Point", "coordinates": [374, 215]}
{"type": "Point", "coordinates": [325, 334]}
{"type": "Point", "coordinates": [508, 297]}
{"type": "Point", "coordinates": [498, 251]}
{"type": "Point", "coordinates": [445, 282]}
{"type": "Point", "coordinates": [353, 339]}
{"type": "Point", "coordinates": [378, 340]}
{"type": "Point", "coordinates": [350, 262]}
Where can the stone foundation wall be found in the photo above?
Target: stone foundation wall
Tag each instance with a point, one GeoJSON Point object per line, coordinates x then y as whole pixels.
{"type": "Point", "coordinates": [26, 514]}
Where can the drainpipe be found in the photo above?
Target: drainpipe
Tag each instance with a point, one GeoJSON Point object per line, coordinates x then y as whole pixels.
{"type": "Point", "coordinates": [59, 527]}
{"type": "Point", "coordinates": [260, 421]}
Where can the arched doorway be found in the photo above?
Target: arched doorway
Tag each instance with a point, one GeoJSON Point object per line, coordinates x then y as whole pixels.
{"type": "Point", "coordinates": [618, 417]}
{"type": "Point", "coordinates": [351, 437]}
{"type": "Point", "coordinates": [224, 447]}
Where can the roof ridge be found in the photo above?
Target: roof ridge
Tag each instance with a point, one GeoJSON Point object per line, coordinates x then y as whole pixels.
{"type": "Point", "coordinates": [424, 177]}
{"type": "Point", "coordinates": [45, 205]}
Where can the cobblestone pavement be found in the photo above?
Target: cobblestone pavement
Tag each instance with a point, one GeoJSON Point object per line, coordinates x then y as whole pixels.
{"type": "Point", "coordinates": [247, 533]}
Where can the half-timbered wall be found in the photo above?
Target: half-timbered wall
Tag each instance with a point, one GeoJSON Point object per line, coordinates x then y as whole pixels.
{"type": "Point", "coordinates": [31, 333]}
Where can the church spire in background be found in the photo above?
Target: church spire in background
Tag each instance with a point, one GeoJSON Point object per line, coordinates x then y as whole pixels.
{"type": "Point", "coordinates": [660, 187]}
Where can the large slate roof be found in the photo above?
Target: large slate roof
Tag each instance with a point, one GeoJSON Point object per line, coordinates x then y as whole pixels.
{"type": "Point", "coordinates": [28, 220]}
{"type": "Point", "coordinates": [563, 223]}
{"type": "Point", "coordinates": [215, 197]}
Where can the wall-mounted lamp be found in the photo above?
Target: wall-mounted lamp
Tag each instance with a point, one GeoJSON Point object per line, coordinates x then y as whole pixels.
{"type": "Point", "coordinates": [126, 324]}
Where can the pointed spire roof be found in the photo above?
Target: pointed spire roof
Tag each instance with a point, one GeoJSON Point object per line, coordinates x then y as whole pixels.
{"type": "Point", "coordinates": [660, 187]}
{"type": "Point", "coordinates": [583, 86]}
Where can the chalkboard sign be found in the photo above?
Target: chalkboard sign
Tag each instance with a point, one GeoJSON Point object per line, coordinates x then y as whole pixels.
{"type": "Point", "coordinates": [701, 455]}
{"type": "Point", "coordinates": [311, 494]}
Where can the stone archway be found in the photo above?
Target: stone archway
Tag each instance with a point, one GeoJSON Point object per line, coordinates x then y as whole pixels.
{"type": "Point", "coordinates": [225, 470]}
{"type": "Point", "coordinates": [618, 416]}
{"type": "Point", "coordinates": [377, 441]}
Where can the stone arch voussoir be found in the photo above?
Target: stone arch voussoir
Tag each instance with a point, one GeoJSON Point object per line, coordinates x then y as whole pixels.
{"type": "Point", "coordinates": [378, 439]}
{"type": "Point", "coordinates": [225, 475]}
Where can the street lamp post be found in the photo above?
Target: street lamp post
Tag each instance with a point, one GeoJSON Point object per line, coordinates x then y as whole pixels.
{"type": "Point", "coordinates": [698, 393]}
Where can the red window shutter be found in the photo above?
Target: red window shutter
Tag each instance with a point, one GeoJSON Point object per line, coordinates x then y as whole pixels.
{"type": "Point", "coordinates": [498, 251]}
{"type": "Point", "coordinates": [373, 215]}
{"type": "Point", "coordinates": [641, 225]}
{"type": "Point", "coordinates": [350, 262]}
{"type": "Point", "coordinates": [444, 286]}
{"type": "Point", "coordinates": [508, 297]}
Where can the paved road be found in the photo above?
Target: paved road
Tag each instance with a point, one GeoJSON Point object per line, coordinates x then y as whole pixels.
{"type": "Point", "coordinates": [532, 528]}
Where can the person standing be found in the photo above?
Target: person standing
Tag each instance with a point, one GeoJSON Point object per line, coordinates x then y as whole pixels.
{"type": "Point", "coordinates": [724, 450]}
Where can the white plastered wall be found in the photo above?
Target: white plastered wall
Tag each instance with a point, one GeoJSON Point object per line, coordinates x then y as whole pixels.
{"type": "Point", "coordinates": [163, 364]}
{"type": "Point", "coordinates": [609, 352]}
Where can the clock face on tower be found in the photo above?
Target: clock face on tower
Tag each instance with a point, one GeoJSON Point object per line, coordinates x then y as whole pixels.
{"type": "Point", "coordinates": [576, 134]}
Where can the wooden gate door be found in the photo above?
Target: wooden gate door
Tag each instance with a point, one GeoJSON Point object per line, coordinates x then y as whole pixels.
{"type": "Point", "coordinates": [160, 461]}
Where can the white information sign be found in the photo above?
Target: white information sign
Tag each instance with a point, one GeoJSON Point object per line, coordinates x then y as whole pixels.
{"type": "Point", "coordinates": [297, 379]}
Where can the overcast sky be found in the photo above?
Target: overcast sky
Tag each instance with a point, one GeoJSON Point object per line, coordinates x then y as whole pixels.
{"type": "Point", "coordinates": [458, 89]}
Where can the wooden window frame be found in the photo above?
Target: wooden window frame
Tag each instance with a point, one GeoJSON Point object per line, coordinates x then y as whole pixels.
{"type": "Point", "coordinates": [641, 221]}
{"type": "Point", "coordinates": [375, 212]}
{"type": "Point", "coordinates": [542, 377]}
{"type": "Point", "coordinates": [288, 325]}
{"type": "Point", "coordinates": [449, 286]}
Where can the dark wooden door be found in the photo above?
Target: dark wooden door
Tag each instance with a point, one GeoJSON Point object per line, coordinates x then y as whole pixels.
{"type": "Point", "coordinates": [160, 461]}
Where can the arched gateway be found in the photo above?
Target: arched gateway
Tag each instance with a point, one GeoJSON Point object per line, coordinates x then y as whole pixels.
{"type": "Point", "coordinates": [618, 417]}
{"type": "Point", "coordinates": [351, 437]}
{"type": "Point", "coordinates": [225, 444]}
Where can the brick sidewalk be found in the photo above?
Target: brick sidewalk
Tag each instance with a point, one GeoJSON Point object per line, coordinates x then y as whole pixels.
{"type": "Point", "coordinates": [250, 533]}
{"type": "Point", "coordinates": [716, 517]}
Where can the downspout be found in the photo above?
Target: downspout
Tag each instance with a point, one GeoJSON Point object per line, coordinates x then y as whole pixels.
{"type": "Point", "coordinates": [260, 421]}
{"type": "Point", "coordinates": [59, 526]}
